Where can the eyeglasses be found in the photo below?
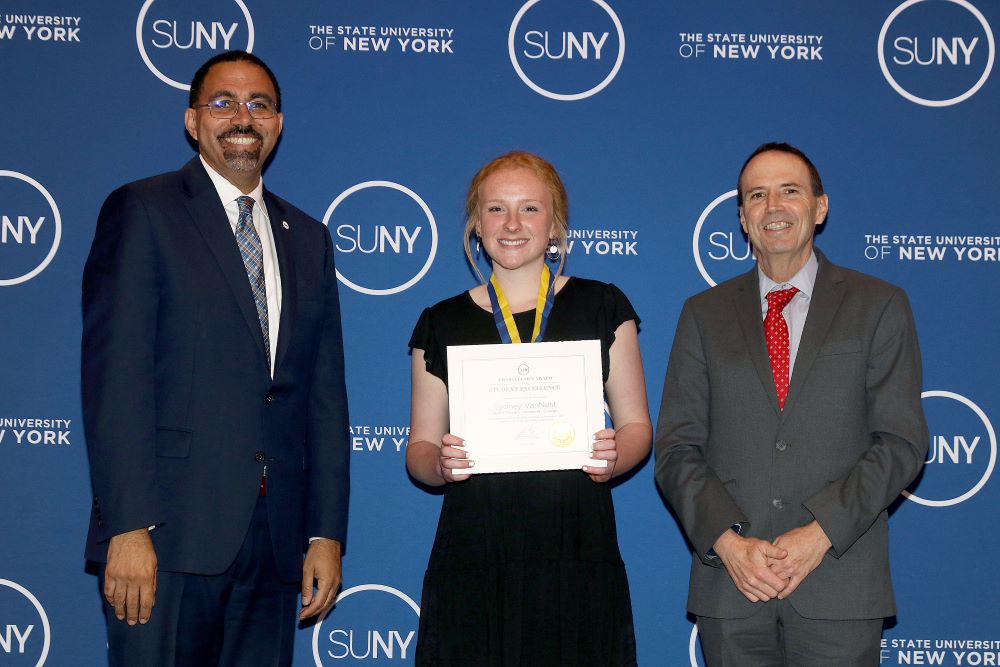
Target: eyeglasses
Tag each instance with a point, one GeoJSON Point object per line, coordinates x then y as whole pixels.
{"type": "Point", "coordinates": [225, 108]}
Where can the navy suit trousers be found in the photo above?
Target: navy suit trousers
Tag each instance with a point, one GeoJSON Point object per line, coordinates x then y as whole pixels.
{"type": "Point", "coordinates": [243, 617]}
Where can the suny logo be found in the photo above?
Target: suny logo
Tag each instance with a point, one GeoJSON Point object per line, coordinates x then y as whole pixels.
{"type": "Point", "coordinates": [962, 453]}
{"type": "Point", "coordinates": [694, 649]}
{"type": "Point", "coordinates": [176, 36]}
{"type": "Point", "coordinates": [382, 241]}
{"type": "Point", "coordinates": [720, 248]}
{"type": "Point", "coordinates": [369, 622]}
{"type": "Point", "coordinates": [566, 50]}
{"type": "Point", "coordinates": [24, 633]}
{"type": "Point", "coordinates": [936, 54]}
{"type": "Point", "coordinates": [30, 228]}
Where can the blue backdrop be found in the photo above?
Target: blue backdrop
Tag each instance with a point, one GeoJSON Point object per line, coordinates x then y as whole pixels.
{"type": "Point", "coordinates": [648, 109]}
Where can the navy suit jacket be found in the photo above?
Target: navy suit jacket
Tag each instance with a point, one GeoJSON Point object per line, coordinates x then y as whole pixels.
{"type": "Point", "coordinates": [180, 411]}
{"type": "Point", "coordinates": [851, 437]}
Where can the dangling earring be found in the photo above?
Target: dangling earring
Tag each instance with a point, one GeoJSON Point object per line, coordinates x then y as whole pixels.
{"type": "Point", "coordinates": [552, 253]}
{"type": "Point", "coordinates": [478, 237]}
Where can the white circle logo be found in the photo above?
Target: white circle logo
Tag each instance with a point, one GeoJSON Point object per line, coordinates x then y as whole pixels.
{"type": "Point", "coordinates": [24, 233]}
{"type": "Point", "coordinates": [21, 638]}
{"type": "Point", "coordinates": [912, 54]}
{"type": "Point", "coordinates": [722, 243]}
{"type": "Point", "coordinates": [364, 244]}
{"type": "Point", "coordinates": [555, 56]}
{"type": "Point", "coordinates": [693, 647]}
{"type": "Point", "coordinates": [953, 455]}
{"type": "Point", "coordinates": [368, 627]}
{"type": "Point", "coordinates": [185, 31]}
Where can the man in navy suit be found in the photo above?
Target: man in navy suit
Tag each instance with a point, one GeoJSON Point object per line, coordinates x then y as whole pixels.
{"type": "Point", "coordinates": [214, 397]}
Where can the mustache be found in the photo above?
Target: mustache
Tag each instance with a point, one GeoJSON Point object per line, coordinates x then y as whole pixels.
{"type": "Point", "coordinates": [238, 130]}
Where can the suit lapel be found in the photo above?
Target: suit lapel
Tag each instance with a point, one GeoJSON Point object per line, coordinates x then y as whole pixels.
{"type": "Point", "coordinates": [827, 295]}
{"type": "Point", "coordinates": [285, 249]}
{"type": "Point", "coordinates": [746, 301]}
{"type": "Point", "coordinates": [210, 218]}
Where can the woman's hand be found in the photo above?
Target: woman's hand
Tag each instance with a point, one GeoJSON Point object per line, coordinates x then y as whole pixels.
{"type": "Point", "coordinates": [605, 449]}
{"type": "Point", "coordinates": [453, 459]}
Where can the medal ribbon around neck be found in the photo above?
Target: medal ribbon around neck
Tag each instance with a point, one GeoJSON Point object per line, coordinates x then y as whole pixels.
{"type": "Point", "coordinates": [504, 318]}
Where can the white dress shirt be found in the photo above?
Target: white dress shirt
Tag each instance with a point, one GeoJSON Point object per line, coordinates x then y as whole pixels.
{"type": "Point", "coordinates": [229, 193]}
{"type": "Point", "coordinates": [797, 309]}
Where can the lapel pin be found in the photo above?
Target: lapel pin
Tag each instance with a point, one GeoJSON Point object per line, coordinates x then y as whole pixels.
{"type": "Point", "coordinates": [284, 224]}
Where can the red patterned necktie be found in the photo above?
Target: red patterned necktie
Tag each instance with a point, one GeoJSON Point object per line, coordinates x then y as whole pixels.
{"type": "Point", "coordinates": [776, 333]}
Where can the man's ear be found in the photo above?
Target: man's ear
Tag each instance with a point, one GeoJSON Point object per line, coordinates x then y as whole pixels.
{"type": "Point", "coordinates": [191, 122]}
{"type": "Point", "coordinates": [822, 208]}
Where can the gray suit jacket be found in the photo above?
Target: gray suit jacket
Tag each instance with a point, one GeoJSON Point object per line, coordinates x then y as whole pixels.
{"type": "Point", "coordinates": [851, 437]}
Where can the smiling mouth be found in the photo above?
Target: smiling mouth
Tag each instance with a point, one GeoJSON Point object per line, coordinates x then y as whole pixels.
{"type": "Point", "coordinates": [777, 226]}
{"type": "Point", "coordinates": [240, 136]}
{"type": "Point", "coordinates": [512, 243]}
{"type": "Point", "coordinates": [241, 140]}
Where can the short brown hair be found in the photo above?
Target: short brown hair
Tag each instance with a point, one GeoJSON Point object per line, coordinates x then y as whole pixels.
{"type": "Point", "coordinates": [781, 147]}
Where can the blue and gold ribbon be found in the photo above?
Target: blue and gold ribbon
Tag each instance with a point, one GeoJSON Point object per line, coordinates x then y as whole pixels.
{"type": "Point", "coordinates": [504, 318]}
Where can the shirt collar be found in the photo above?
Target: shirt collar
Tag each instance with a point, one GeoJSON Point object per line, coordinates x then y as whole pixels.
{"type": "Point", "coordinates": [228, 192]}
{"type": "Point", "coordinates": [804, 280]}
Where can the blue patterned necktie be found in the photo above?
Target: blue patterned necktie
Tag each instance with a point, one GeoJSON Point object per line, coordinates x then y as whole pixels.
{"type": "Point", "coordinates": [253, 259]}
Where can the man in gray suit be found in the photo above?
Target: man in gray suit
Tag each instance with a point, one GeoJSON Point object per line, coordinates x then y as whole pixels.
{"type": "Point", "coordinates": [783, 439]}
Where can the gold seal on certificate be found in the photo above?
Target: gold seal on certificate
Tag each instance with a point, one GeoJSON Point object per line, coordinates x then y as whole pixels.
{"type": "Point", "coordinates": [528, 406]}
{"type": "Point", "coordinates": [562, 434]}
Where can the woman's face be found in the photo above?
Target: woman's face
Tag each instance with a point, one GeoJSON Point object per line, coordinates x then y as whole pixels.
{"type": "Point", "coordinates": [515, 218]}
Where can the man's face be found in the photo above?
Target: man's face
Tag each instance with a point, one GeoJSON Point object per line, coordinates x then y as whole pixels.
{"type": "Point", "coordinates": [780, 212]}
{"type": "Point", "coordinates": [235, 147]}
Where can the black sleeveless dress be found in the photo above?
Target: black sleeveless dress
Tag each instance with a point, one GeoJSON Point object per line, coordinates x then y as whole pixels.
{"type": "Point", "coordinates": [525, 568]}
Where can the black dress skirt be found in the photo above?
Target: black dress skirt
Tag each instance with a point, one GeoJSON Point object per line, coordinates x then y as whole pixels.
{"type": "Point", "coordinates": [525, 568]}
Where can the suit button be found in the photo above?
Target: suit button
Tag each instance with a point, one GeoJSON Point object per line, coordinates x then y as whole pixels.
{"type": "Point", "coordinates": [777, 503]}
{"type": "Point", "coordinates": [269, 398]}
{"type": "Point", "coordinates": [781, 445]}
{"type": "Point", "coordinates": [258, 457]}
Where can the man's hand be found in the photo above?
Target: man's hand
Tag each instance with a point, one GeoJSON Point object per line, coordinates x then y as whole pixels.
{"type": "Point", "coordinates": [746, 559]}
{"type": "Point", "coordinates": [130, 576]}
{"type": "Point", "coordinates": [322, 566]}
{"type": "Point", "coordinates": [806, 547]}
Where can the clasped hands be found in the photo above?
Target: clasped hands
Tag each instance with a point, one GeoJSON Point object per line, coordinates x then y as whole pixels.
{"type": "Point", "coordinates": [454, 459]}
{"type": "Point", "coordinates": [765, 570]}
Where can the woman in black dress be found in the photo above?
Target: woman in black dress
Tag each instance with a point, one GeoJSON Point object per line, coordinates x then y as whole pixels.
{"type": "Point", "coordinates": [525, 568]}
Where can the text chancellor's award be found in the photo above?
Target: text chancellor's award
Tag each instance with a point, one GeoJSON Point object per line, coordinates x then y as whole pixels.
{"type": "Point", "coordinates": [533, 406]}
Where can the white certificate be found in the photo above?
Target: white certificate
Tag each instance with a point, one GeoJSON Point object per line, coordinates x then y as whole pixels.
{"type": "Point", "coordinates": [528, 406]}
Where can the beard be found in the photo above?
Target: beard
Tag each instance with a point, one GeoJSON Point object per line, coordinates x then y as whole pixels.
{"type": "Point", "coordinates": [241, 159]}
